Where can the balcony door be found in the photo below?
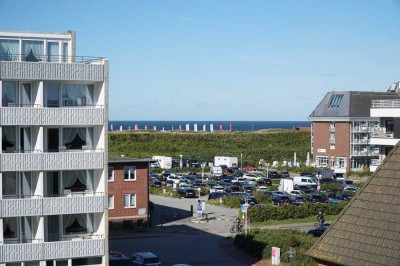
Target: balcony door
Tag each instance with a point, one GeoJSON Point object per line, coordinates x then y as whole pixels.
{"type": "Point", "coordinates": [25, 97]}
{"type": "Point", "coordinates": [25, 139]}
{"type": "Point", "coordinates": [53, 141]}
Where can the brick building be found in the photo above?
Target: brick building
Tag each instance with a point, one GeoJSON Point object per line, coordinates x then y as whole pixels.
{"type": "Point", "coordinates": [342, 128]}
{"type": "Point", "coordinates": [128, 191]}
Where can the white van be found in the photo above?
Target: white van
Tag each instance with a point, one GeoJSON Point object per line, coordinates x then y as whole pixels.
{"type": "Point", "coordinates": [304, 181]}
{"type": "Point", "coordinates": [286, 185]}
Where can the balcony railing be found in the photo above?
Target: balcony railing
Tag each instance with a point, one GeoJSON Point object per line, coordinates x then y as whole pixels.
{"type": "Point", "coordinates": [385, 103]}
{"type": "Point", "coordinates": [52, 250]}
{"type": "Point", "coordinates": [51, 59]}
{"type": "Point", "coordinates": [382, 134]}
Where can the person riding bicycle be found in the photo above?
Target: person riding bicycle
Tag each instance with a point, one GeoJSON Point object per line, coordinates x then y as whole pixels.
{"type": "Point", "coordinates": [321, 218]}
{"type": "Point", "coordinates": [237, 223]}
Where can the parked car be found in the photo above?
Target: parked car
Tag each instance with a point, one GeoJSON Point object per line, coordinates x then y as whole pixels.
{"type": "Point", "coordinates": [232, 188]}
{"type": "Point", "coordinates": [318, 231]}
{"type": "Point", "coordinates": [265, 182]}
{"type": "Point", "coordinates": [315, 198]}
{"type": "Point", "coordinates": [247, 188]}
{"type": "Point", "coordinates": [145, 258]}
{"type": "Point", "coordinates": [296, 199]}
{"type": "Point", "coordinates": [187, 192]}
{"type": "Point", "coordinates": [307, 174]}
{"type": "Point", "coordinates": [346, 184]}
{"type": "Point", "coordinates": [284, 174]}
{"type": "Point", "coordinates": [273, 174]}
{"type": "Point", "coordinates": [251, 176]}
{"type": "Point", "coordinates": [280, 199]}
{"type": "Point", "coordinates": [249, 200]}
{"type": "Point", "coordinates": [343, 197]}
{"type": "Point", "coordinates": [238, 180]}
{"type": "Point", "coordinates": [262, 189]}
{"type": "Point", "coordinates": [216, 188]}
{"type": "Point", "coordinates": [296, 192]}
{"type": "Point", "coordinates": [217, 195]}
{"type": "Point", "coordinates": [154, 182]}
{"type": "Point", "coordinates": [327, 180]}
{"type": "Point", "coordinates": [116, 258]}
{"type": "Point", "coordinates": [224, 182]}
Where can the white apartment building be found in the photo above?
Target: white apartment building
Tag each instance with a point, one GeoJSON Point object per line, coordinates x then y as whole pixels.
{"type": "Point", "coordinates": [53, 160]}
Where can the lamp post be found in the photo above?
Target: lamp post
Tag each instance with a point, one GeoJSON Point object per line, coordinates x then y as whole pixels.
{"type": "Point", "coordinates": [241, 161]}
{"type": "Point", "coordinates": [180, 161]}
{"type": "Point", "coordinates": [291, 253]}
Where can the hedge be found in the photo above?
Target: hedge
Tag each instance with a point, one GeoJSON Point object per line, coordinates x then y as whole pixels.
{"type": "Point", "coordinates": [270, 212]}
{"type": "Point", "coordinates": [259, 243]}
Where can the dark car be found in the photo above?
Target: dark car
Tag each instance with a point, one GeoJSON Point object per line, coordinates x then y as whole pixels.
{"type": "Point", "coordinates": [318, 231]}
{"type": "Point", "coordinates": [327, 181]}
{"type": "Point", "coordinates": [249, 200]}
{"type": "Point", "coordinates": [343, 197]}
{"type": "Point", "coordinates": [280, 200]}
{"type": "Point", "coordinates": [264, 182]}
{"type": "Point", "coordinates": [232, 188]}
{"type": "Point", "coordinates": [247, 189]}
{"type": "Point", "coordinates": [315, 198]}
{"type": "Point", "coordinates": [116, 258]}
{"type": "Point", "coordinates": [273, 174]}
{"type": "Point", "coordinates": [224, 182]}
{"type": "Point", "coordinates": [217, 195]}
{"type": "Point", "coordinates": [154, 182]}
{"type": "Point", "coordinates": [187, 193]}
{"type": "Point", "coordinates": [284, 174]}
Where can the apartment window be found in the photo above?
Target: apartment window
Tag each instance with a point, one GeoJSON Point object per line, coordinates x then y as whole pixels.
{"type": "Point", "coordinates": [32, 51]}
{"type": "Point", "coordinates": [9, 93]}
{"type": "Point", "coordinates": [53, 52]}
{"type": "Point", "coordinates": [77, 95]}
{"type": "Point", "coordinates": [129, 200]}
{"type": "Point", "coordinates": [65, 52]}
{"type": "Point", "coordinates": [77, 138]}
{"type": "Point", "coordinates": [111, 201]}
{"type": "Point", "coordinates": [9, 50]}
{"type": "Point", "coordinates": [129, 173]}
{"type": "Point", "coordinates": [110, 173]}
{"type": "Point", "coordinates": [341, 162]}
{"type": "Point", "coordinates": [332, 146]}
{"type": "Point", "coordinates": [332, 127]}
{"type": "Point", "coordinates": [322, 160]}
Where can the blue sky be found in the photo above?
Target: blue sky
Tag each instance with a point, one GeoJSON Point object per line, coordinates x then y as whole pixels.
{"type": "Point", "coordinates": [225, 59]}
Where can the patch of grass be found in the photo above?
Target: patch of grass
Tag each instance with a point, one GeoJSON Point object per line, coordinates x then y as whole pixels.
{"type": "Point", "coordinates": [310, 219]}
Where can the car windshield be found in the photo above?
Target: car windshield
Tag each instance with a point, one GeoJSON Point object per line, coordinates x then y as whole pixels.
{"type": "Point", "coordinates": [349, 182]}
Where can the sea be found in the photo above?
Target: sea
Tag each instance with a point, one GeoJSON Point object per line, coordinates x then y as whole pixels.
{"type": "Point", "coordinates": [205, 125]}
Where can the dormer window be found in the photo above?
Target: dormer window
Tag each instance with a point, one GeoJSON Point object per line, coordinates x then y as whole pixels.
{"type": "Point", "coordinates": [335, 100]}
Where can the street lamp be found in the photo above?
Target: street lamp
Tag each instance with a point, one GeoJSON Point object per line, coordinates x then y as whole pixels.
{"type": "Point", "coordinates": [241, 161]}
{"type": "Point", "coordinates": [180, 162]}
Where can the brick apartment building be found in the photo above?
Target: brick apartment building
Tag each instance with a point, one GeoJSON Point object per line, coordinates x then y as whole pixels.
{"type": "Point", "coordinates": [342, 128]}
{"type": "Point", "coordinates": [128, 192]}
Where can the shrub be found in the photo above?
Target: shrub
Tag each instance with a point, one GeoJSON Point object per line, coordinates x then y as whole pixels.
{"type": "Point", "coordinates": [259, 243]}
{"type": "Point", "coordinates": [269, 212]}
{"type": "Point", "coordinates": [232, 201]}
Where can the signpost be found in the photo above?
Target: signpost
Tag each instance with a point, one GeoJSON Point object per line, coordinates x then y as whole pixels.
{"type": "Point", "coordinates": [199, 210]}
{"type": "Point", "coordinates": [275, 256]}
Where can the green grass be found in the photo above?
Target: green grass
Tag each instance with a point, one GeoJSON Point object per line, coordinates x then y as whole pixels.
{"type": "Point", "coordinates": [310, 219]}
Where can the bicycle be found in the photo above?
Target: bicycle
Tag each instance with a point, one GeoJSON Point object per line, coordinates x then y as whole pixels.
{"type": "Point", "coordinates": [236, 228]}
{"type": "Point", "coordinates": [319, 224]}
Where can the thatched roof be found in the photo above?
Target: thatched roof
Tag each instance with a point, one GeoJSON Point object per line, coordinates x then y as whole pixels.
{"type": "Point", "coordinates": [367, 231]}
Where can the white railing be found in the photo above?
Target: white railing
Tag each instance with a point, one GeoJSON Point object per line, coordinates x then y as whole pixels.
{"type": "Point", "coordinates": [69, 204]}
{"type": "Point", "coordinates": [381, 134]}
{"type": "Point", "coordinates": [385, 103]}
{"type": "Point", "coordinates": [76, 159]}
{"type": "Point", "coordinates": [52, 250]}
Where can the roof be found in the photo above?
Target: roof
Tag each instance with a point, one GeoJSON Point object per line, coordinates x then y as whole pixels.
{"type": "Point", "coordinates": [121, 159]}
{"type": "Point", "coordinates": [348, 104]}
{"type": "Point", "coordinates": [367, 231]}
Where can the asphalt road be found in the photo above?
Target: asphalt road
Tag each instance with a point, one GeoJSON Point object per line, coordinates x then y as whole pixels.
{"type": "Point", "coordinates": [176, 239]}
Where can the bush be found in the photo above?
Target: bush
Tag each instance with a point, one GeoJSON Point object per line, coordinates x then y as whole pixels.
{"type": "Point", "coordinates": [232, 201]}
{"type": "Point", "coordinates": [270, 212]}
{"type": "Point", "coordinates": [259, 243]}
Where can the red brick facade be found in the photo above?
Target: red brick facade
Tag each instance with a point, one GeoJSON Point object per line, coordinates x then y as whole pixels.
{"type": "Point", "coordinates": [322, 141]}
{"type": "Point", "coordinates": [118, 187]}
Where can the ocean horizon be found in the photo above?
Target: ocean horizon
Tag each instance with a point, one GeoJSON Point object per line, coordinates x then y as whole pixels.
{"type": "Point", "coordinates": [116, 125]}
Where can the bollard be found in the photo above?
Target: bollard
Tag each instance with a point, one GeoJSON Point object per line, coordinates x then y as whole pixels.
{"type": "Point", "coordinates": [191, 209]}
{"type": "Point", "coordinates": [164, 191]}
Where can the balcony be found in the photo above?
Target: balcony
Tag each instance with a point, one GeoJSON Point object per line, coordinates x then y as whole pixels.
{"type": "Point", "coordinates": [45, 161]}
{"type": "Point", "coordinates": [88, 202]}
{"type": "Point", "coordinates": [382, 137]}
{"type": "Point", "coordinates": [385, 108]}
{"type": "Point", "coordinates": [83, 115]}
{"type": "Point", "coordinates": [75, 248]}
{"type": "Point", "coordinates": [56, 68]}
